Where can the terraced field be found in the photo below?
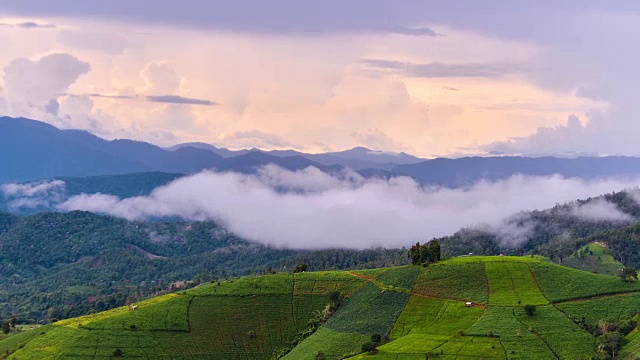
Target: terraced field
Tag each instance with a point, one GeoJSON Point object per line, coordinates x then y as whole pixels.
{"type": "Point", "coordinates": [419, 311]}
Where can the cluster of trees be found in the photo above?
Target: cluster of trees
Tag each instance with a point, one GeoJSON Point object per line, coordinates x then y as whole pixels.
{"type": "Point", "coordinates": [425, 254]}
{"type": "Point", "coordinates": [609, 334]}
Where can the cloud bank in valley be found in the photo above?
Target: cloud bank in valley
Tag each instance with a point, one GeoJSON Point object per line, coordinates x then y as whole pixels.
{"type": "Point", "coordinates": [311, 209]}
{"type": "Point", "coordinates": [33, 195]}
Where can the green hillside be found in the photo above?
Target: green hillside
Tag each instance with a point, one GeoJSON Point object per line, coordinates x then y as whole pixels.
{"type": "Point", "coordinates": [419, 312]}
{"type": "Point", "coordinates": [595, 257]}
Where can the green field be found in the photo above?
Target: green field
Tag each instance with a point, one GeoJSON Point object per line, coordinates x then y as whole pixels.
{"type": "Point", "coordinates": [461, 279]}
{"type": "Point", "coordinates": [334, 344]}
{"type": "Point", "coordinates": [512, 284]}
{"type": "Point", "coordinates": [417, 310]}
{"type": "Point", "coordinates": [370, 311]}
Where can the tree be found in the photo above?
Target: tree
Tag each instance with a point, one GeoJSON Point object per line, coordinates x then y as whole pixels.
{"type": "Point", "coordinates": [628, 274]}
{"type": "Point", "coordinates": [6, 327]}
{"type": "Point", "coordinates": [118, 353]}
{"type": "Point", "coordinates": [369, 347]}
{"type": "Point", "coordinates": [425, 254]}
{"type": "Point", "coordinates": [415, 254]}
{"type": "Point", "coordinates": [376, 339]}
{"type": "Point", "coordinates": [320, 355]}
{"type": "Point", "coordinates": [300, 268]}
{"type": "Point", "coordinates": [530, 310]}
{"type": "Point", "coordinates": [12, 322]}
{"type": "Point", "coordinates": [434, 251]}
{"type": "Point", "coordinates": [609, 343]}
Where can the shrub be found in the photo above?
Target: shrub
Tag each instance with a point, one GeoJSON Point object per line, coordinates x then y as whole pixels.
{"type": "Point", "coordinates": [530, 310]}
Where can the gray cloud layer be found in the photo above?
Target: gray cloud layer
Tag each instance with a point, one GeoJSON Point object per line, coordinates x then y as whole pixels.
{"type": "Point", "coordinates": [175, 99]}
{"type": "Point", "coordinates": [440, 70]}
{"type": "Point", "coordinates": [322, 211]}
{"type": "Point", "coordinates": [29, 25]}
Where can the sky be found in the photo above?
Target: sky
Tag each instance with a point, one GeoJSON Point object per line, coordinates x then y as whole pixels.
{"type": "Point", "coordinates": [431, 78]}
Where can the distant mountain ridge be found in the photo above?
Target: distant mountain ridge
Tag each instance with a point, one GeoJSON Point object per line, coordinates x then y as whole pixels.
{"type": "Point", "coordinates": [358, 158]}
{"type": "Point", "coordinates": [32, 150]}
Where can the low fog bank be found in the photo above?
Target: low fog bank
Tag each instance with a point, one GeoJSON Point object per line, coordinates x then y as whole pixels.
{"type": "Point", "coordinates": [310, 209]}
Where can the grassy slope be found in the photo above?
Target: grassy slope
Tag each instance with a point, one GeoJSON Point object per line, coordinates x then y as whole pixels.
{"type": "Point", "coordinates": [422, 310]}
{"type": "Point", "coordinates": [243, 319]}
{"type": "Point", "coordinates": [595, 258]}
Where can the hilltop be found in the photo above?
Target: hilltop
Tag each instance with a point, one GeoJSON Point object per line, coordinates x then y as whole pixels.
{"type": "Point", "coordinates": [417, 311]}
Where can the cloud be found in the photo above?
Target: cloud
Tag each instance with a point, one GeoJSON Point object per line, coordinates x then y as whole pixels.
{"type": "Point", "coordinates": [322, 211]}
{"type": "Point", "coordinates": [442, 70]}
{"type": "Point", "coordinates": [29, 25]}
{"type": "Point", "coordinates": [34, 194]}
{"type": "Point", "coordinates": [109, 43]}
{"type": "Point", "coordinates": [598, 210]}
{"type": "Point", "coordinates": [114, 97]}
{"type": "Point", "coordinates": [413, 31]}
{"type": "Point", "coordinates": [45, 79]}
{"type": "Point", "coordinates": [161, 78]}
{"type": "Point", "coordinates": [258, 139]}
{"type": "Point", "coordinates": [378, 140]}
{"type": "Point", "coordinates": [559, 139]}
{"type": "Point", "coordinates": [175, 99]}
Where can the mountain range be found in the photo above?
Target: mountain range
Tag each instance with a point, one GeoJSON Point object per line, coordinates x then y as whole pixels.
{"type": "Point", "coordinates": [33, 150]}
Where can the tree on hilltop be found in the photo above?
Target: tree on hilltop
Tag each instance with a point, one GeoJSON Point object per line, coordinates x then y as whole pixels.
{"type": "Point", "coordinates": [300, 268]}
{"type": "Point", "coordinates": [425, 254]}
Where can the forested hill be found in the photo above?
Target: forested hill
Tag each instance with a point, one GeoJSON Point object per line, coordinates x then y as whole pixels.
{"type": "Point", "coordinates": [68, 264]}
{"type": "Point", "coordinates": [611, 219]}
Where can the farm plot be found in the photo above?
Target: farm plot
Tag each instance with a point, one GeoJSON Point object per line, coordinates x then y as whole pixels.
{"type": "Point", "coordinates": [166, 315]}
{"type": "Point", "coordinates": [326, 282]}
{"type": "Point", "coordinates": [369, 311]}
{"type": "Point", "coordinates": [471, 347]}
{"type": "Point", "coordinates": [612, 307]}
{"type": "Point", "coordinates": [559, 283]}
{"type": "Point", "coordinates": [334, 344]}
{"type": "Point", "coordinates": [403, 278]}
{"type": "Point", "coordinates": [417, 346]}
{"type": "Point", "coordinates": [517, 340]}
{"type": "Point", "coordinates": [459, 279]}
{"type": "Point", "coordinates": [145, 310]}
{"type": "Point", "coordinates": [15, 342]}
{"type": "Point", "coordinates": [51, 344]}
{"type": "Point", "coordinates": [432, 326]}
{"type": "Point", "coordinates": [511, 284]}
{"type": "Point", "coordinates": [566, 339]}
{"type": "Point", "coordinates": [249, 327]}
{"type": "Point", "coordinates": [280, 283]}
{"type": "Point", "coordinates": [434, 317]}
{"type": "Point", "coordinates": [98, 344]}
